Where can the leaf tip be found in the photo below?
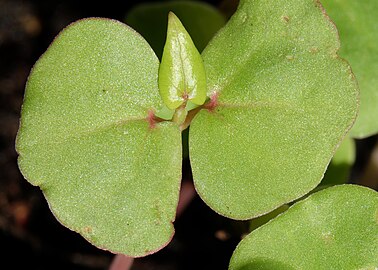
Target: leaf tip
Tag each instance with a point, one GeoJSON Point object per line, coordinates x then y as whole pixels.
{"type": "Point", "coordinates": [174, 23]}
{"type": "Point", "coordinates": [172, 16]}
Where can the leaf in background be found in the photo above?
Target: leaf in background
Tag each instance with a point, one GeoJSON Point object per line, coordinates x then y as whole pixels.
{"type": "Point", "coordinates": [281, 103]}
{"type": "Point", "coordinates": [357, 24]}
{"type": "Point", "coordinates": [336, 228]}
{"type": "Point", "coordinates": [339, 169]}
{"type": "Point", "coordinates": [88, 140]}
{"type": "Point", "coordinates": [182, 75]}
{"type": "Point", "coordinates": [201, 20]}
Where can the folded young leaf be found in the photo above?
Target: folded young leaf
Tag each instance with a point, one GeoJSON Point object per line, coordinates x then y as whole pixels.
{"type": "Point", "coordinates": [181, 73]}
{"type": "Point", "coordinates": [282, 101]}
{"type": "Point", "coordinates": [356, 22]}
{"type": "Point", "coordinates": [88, 138]}
{"type": "Point", "coordinates": [336, 228]}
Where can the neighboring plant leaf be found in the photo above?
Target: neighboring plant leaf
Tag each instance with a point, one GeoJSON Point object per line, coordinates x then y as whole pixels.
{"type": "Point", "coordinates": [336, 228]}
{"type": "Point", "coordinates": [182, 75]}
{"type": "Point", "coordinates": [339, 169]}
{"type": "Point", "coordinates": [357, 24]}
{"type": "Point", "coordinates": [201, 20]}
{"type": "Point", "coordinates": [281, 102]}
{"type": "Point", "coordinates": [88, 139]}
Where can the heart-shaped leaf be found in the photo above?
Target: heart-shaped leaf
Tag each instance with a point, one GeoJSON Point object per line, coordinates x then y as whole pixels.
{"type": "Point", "coordinates": [89, 140]}
{"type": "Point", "coordinates": [336, 228]}
{"type": "Point", "coordinates": [356, 22]}
{"type": "Point", "coordinates": [281, 102]}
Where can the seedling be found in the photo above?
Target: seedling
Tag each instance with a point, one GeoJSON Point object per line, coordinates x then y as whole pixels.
{"type": "Point", "coordinates": [268, 102]}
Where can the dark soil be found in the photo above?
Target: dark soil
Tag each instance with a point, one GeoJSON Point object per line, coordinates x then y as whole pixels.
{"type": "Point", "coordinates": [30, 236]}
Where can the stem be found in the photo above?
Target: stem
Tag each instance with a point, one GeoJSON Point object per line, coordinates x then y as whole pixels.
{"type": "Point", "coordinates": [121, 262]}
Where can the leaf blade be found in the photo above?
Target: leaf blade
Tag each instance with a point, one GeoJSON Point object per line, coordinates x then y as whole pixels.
{"type": "Point", "coordinates": [357, 26]}
{"type": "Point", "coordinates": [283, 102]}
{"type": "Point", "coordinates": [338, 224]}
{"type": "Point", "coordinates": [97, 154]}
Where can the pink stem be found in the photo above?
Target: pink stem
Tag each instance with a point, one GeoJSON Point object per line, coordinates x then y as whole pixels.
{"type": "Point", "coordinates": [187, 194]}
{"type": "Point", "coordinates": [121, 262]}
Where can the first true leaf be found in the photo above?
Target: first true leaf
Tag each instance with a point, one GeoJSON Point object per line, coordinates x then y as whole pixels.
{"type": "Point", "coordinates": [181, 74]}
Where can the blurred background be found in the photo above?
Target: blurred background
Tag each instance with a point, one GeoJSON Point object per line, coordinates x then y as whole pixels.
{"type": "Point", "coordinates": [30, 236]}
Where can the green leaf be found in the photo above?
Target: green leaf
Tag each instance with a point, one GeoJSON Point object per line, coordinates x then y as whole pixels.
{"type": "Point", "coordinates": [201, 20]}
{"type": "Point", "coordinates": [165, 113]}
{"type": "Point", "coordinates": [89, 140]}
{"type": "Point", "coordinates": [341, 163]}
{"type": "Point", "coordinates": [356, 22]}
{"type": "Point", "coordinates": [336, 228]}
{"type": "Point", "coordinates": [181, 74]}
{"type": "Point", "coordinates": [281, 102]}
